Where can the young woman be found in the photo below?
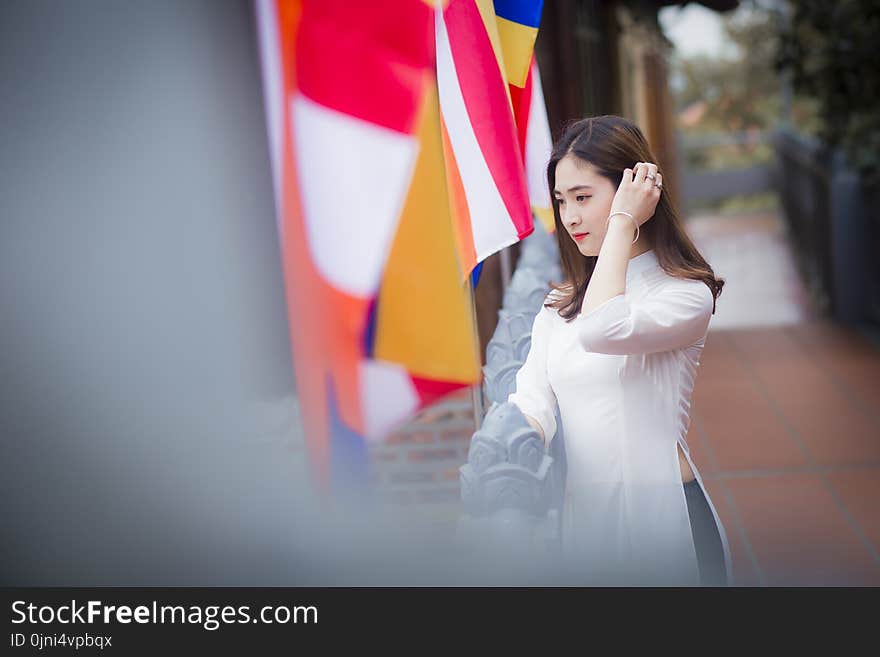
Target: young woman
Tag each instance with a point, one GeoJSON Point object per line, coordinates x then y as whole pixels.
{"type": "Point", "coordinates": [617, 346]}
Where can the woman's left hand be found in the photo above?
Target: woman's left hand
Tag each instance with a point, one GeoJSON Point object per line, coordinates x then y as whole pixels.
{"type": "Point", "coordinates": [638, 193]}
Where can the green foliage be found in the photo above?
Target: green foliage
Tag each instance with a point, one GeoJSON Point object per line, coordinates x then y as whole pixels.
{"type": "Point", "coordinates": [831, 50]}
{"type": "Point", "coordinates": [738, 90]}
{"type": "Point", "coordinates": [729, 156]}
{"type": "Point", "coordinates": [740, 87]}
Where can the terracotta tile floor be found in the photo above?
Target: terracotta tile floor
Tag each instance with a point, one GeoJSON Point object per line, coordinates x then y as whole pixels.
{"type": "Point", "coordinates": [786, 418]}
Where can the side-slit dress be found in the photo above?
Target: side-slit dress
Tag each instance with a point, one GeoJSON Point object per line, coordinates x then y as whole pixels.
{"type": "Point", "coordinates": [623, 376]}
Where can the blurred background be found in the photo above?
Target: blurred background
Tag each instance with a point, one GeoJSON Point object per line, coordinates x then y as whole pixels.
{"type": "Point", "coordinates": [151, 425]}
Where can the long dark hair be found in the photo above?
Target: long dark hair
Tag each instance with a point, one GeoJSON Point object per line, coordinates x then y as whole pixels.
{"type": "Point", "coordinates": [611, 144]}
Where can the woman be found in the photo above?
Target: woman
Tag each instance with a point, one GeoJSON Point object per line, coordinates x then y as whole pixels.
{"type": "Point", "coordinates": [617, 346]}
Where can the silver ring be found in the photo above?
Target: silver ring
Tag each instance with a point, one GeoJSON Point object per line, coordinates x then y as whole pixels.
{"type": "Point", "coordinates": [659, 185]}
{"type": "Point", "coordinates": [650, 175]}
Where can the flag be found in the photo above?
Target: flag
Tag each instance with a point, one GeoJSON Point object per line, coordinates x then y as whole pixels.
{"type": "Point", "coordinates": [381, 323]}
{"type": "Point", "coordinates": [536, 145]}
{"type": "Point", "coordinates": [396, 170]}
{"type": "Point", "coordinates": [485, 174]}
{"type": "Point", "coordinates": [517, 22]}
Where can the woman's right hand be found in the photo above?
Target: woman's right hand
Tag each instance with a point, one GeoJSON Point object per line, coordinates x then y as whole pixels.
{"type": "Point", "coordinates": [536, 426]}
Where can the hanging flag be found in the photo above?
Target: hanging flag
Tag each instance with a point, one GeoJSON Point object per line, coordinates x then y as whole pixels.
{"type": "Point", "coordinates": [424, 319]}
{"type": "Point", "coordinates": [536, 145]}
{"type": "Point", "coordinates": [381, 323]}
{"type": "Point", "coordinates": [396, 171]}
{"type": "Point", "coordinates": [518, 22]}
{"type": "Point", "coordinates": [485, 173]}
{"type": "Point", "coordinates": [343, 123]}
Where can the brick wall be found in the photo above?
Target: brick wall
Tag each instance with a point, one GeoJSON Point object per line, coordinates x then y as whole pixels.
{"type": "Point", "coordinates": [418, 464]}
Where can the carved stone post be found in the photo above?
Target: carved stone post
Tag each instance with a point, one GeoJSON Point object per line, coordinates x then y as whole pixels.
{"type": "Point", "coordinates": [511, 486]}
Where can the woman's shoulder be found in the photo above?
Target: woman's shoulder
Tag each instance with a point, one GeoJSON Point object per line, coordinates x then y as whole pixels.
{"type": "Point", "coordinates": [690, 290]}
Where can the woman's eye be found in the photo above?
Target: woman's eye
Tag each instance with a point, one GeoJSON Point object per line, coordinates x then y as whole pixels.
{"type": "Point", "coordinates": [560, 201]}
{"type": "Point", "coordinates": [581, 197]}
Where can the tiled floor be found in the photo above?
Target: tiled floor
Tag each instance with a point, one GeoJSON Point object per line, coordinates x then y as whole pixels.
{"type": "Point", "coordinates": [786, 419]}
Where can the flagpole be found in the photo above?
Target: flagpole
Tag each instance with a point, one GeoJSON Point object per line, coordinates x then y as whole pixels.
{"type": "Point", "coordinates": [505, 268]}
{"type": "Point", "coordinates": [476, 390]}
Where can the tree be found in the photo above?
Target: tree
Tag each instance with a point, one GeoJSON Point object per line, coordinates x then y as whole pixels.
{"type": "Point", "coordinates": [741, 89]}
{"type": "Point", "coordinates": [830, 48]}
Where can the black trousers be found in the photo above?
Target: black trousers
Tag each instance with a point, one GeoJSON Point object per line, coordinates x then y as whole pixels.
{"type": "Point", "coordinates": [707, 540]}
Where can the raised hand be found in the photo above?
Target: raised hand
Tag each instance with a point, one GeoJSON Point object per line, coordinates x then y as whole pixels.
{"type": "Point", "coordinates": [638, 193]}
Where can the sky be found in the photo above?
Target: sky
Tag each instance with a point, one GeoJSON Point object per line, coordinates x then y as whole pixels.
{"type": "Point", "coordinates": [693, 29]}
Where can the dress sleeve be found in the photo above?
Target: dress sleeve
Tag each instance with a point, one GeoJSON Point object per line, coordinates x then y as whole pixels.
{"type": "Point", "coordinates": [534, 395]}
{"type": "Point", "coordinates": [675, 317]}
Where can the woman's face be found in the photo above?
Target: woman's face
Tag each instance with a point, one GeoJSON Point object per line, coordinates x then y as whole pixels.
{"type": "Point", "coordinates": [584, 199]}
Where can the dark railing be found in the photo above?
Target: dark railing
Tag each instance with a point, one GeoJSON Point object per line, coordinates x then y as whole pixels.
{"type": "Point", "coordinates": [802, 177]}
{"type": "Point", "coordinates": [832, 222]}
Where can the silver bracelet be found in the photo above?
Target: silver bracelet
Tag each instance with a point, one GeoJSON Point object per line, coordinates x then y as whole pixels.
{"type": "Point", "coordinates": [608, 220]}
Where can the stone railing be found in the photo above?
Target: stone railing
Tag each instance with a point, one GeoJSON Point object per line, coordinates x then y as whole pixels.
{"type": "Point", "coordinates": [511, 486]}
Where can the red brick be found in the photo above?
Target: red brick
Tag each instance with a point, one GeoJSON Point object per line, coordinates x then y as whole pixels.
{"type": "Point", "coordinates": [432, 415]}
{"type": "Point", "coordinates": [859, 491]}
{"type": "Point", "coordinates": [410, 477]}
{"type": "Point", "coordinates": [420, 456]}
{"type": "Point", "coordinates": [439, 495]}
{"type": "Point", "coordinates": [462, 434]}
{"type": "Point", "coordinates": [406, 437]}
{"type": "Point", "coordinates": [799, 534]}
{"type": "Point", "coordinates": [465, 413]}
{"type": "Point", "coordinates": [451, 474]}
{"type": "Point", "coordinates": [833, 429]}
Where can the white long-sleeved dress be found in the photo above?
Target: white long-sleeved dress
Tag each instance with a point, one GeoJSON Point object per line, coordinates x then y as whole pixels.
{"type": "Point", "coordinates": [623, 377]}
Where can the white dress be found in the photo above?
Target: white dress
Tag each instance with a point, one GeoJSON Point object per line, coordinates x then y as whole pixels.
{"type": "Point", "coordinates": [623, 375]}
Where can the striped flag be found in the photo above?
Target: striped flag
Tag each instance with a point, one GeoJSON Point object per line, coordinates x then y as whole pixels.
{"type": "Point", "coordinates": [536, 145]}
{"type": "Point", "coordinates": [518, 22]}
{"type": "Point", "coordinates": [484, 169]}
